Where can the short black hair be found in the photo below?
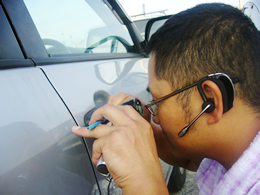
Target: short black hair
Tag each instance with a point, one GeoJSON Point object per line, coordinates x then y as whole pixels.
{"type": "Point", "coordinates": [206, 39]}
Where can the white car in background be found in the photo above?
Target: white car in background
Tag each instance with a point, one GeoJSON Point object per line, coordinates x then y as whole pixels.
{"type": "Point", "coordinates": [252, 9]}
{"type": "Point", "coordinates": [141, 20]}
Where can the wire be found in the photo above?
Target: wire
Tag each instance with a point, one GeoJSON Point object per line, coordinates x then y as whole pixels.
{"type": "Point", "coordinates": [109, 179]}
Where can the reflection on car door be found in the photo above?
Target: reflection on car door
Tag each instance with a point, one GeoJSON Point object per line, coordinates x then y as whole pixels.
{"type": "Point", "coordinates": [39, 152]}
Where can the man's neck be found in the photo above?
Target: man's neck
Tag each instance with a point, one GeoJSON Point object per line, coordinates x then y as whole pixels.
{"type": "Point", "coordinates": [237, 131]}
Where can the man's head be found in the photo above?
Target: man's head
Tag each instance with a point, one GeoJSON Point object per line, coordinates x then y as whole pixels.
{"type": "Point", "coordinates": [206, 39]}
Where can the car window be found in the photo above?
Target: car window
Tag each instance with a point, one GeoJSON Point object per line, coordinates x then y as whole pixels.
{"type": "Point", "coordinates": [78, 26]}
{"type": "Point", "coordinates": [9, 48]}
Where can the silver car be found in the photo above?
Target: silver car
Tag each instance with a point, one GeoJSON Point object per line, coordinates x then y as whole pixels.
{"type": "Point", "coordinates": [59, 61]}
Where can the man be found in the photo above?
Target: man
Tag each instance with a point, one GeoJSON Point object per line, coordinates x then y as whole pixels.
{"type": "Point", "coordinates": [223, 141]}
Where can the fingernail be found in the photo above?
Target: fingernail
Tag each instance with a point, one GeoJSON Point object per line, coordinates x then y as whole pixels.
{"type": "Point", "coordinates": [75, 128]}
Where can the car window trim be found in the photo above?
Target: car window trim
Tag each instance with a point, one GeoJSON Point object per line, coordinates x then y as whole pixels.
{"type": "Point", "coordinates": [83, 58]}
{"type": "Point", "coordinates": [15, 63]}
{"type": "Point", "coordinates": [24, 29]}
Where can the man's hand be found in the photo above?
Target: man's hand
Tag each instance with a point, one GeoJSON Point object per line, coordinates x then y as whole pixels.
{"type": "Point", "coordinates": [120, 98]}
{"type": "Point", "coordinates": [128, 148]}
{"type": "Point", "coordinates": [165, 150]}
{"type": "Point", "coordinates": [124, 97]}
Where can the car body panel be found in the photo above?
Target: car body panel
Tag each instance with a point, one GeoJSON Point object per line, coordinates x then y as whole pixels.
{"type": "Point", "coordinates": [40, 151]}
{"type": "Point", "coordinates": [78, 83]}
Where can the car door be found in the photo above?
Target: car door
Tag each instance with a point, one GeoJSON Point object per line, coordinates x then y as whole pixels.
{"type": "Point", "coordinates": [97, 57]}
{"type": "Point", "coordinates": [39, 154]}
{"type": "Point", "coordinates": [71, 53]}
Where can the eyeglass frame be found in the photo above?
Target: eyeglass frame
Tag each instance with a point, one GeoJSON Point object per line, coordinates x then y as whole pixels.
{"type": "Point", "coordinates": [151, 103]}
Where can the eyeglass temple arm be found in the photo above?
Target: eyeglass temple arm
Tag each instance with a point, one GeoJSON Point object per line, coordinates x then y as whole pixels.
{"type": "Point", "coordinates": [171, 94]}
{"type": "Point", "coordinates": [234, 80]}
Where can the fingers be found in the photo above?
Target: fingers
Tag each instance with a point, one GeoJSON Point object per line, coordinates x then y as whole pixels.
{"type": "Point", "coordinates": [120, 98]}
{"type": "Point", "coordinates": [123, 97]}
{"type": "Point", "coordinates": [128, 143]}
{"type": "Point", "coordinates": [97, 150]}
{"type": "Point", "coordinates": [105, 146]}
{"type": "Point", "coordinates": [99, 131]}
{"type": "Point", "coordinates": [118, 116]}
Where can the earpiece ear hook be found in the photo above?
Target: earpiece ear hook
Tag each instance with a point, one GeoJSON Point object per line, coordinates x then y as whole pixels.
{"type": "Point", "coordinates": [226, 86]}
{"type": "Point", "coordinates": [199, 86]}
{"type": "Point", "coordinates": [204, 98]}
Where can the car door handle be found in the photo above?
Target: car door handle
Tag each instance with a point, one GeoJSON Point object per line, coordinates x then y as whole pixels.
{"type": "Point", "coordinates": [100, 99]}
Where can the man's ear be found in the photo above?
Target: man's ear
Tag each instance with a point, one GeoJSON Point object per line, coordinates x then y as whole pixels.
{"type": "Point", "coordinates": [214, 94]}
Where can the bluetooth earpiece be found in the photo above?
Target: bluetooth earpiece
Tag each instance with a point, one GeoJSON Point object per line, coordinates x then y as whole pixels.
{"type": "Point", "coordinates": [226, 86]}
{"type": "Point", "coordinates": [210, 108]}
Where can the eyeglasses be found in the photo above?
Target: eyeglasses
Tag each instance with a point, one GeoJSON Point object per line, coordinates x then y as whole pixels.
{"type": "Point", "coordinates": [152, 105]}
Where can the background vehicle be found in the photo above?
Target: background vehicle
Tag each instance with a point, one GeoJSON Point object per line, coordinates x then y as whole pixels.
{"type": "Point", "coordinates": [56, 65]}
{"type": "Point", "coordinates": [141, 20]}
{"type": "Point", "coordinates": [252, 9]}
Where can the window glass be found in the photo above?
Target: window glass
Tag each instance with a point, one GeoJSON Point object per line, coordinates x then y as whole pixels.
{"type": "Point", "coordinates": [78, 26]}
{"type": "Point", "coordinates": [9, 48]}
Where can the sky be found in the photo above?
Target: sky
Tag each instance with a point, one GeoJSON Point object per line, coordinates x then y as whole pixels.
{"type": "Point", "coordinates": [135, 7]}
